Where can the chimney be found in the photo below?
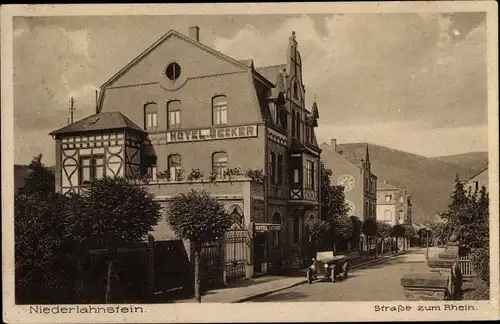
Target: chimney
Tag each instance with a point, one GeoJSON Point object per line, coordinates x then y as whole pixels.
{"type": "Point", "coordinates": [333, 144]}
{"type": "Point", "coordinates": [194, 33]}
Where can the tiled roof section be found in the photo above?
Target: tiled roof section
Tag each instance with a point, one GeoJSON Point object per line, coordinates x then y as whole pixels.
{"type": "Point", "coordinates": [271, 72]}
{"type": "Point", "coordinates": [100, 121]}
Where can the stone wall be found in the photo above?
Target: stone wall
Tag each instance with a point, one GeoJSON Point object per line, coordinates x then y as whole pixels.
{"type": "Point", "coordinates": [443, 281]}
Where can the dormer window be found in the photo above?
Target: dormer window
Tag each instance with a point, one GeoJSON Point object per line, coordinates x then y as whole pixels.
{"type": "Point", "coordinates": [295, 90]}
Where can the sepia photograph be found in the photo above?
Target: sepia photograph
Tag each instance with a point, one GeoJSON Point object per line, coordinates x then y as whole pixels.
{"type": "Point", "coordinates": [215, 159]}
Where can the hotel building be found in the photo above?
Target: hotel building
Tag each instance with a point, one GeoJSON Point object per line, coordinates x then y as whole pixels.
{"type": "Point", "coordinates": [193, 118]}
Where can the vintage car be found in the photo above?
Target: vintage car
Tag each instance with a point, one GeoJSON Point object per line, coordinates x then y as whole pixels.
{"type": "Point", "coordinates": [328, 264]}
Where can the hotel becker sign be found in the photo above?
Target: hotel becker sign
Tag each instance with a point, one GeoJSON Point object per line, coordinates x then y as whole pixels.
{"type": "Point", "coordinates": [210, 134]}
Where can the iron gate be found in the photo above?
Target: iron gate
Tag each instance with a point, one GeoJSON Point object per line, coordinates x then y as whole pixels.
{"type": "Point", "coordinates": [235, 246]}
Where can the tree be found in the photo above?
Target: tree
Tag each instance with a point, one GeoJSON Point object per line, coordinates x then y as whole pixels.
{"type": "Point", "coordinates": [199, 218]}
{"type": "Point", "coordinates": [332, 197]}
{"type": "Point", "coordinates": [356, 232]}
{"type": "Point", "coordinates": [113, 212]}
{"type": "Point", "coordinates": [39, 178]}
{"type": "Point", "coordinates": [369, 228]}
{"type": "Point", "coordinates": [398, 231]}
{"type": "Point", "coordinates": [384, 231]}
{"type": "Point", "coordinates": [41, 238]}
{"type": "Point", "coordinates": [409, 233]}
{"type": "Point", "coordinates": [342, 229]}
{"type": "Point", "coordinates": [316, 227]}
{"type": "Point", "coordinates": [457, 211]}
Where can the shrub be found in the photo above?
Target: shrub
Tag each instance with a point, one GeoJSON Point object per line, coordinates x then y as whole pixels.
{"type": "Point", "coordinates": [480, 259]}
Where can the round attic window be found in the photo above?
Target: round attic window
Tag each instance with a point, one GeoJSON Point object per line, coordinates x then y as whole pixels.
{"type": "Point", "coordinates": [173, 71]}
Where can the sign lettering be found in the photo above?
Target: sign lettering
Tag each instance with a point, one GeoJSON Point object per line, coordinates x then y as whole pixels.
{"type": "Point", "coordinates": [210, 134]}
{"type": "Point", "coordinates": [267, 227]}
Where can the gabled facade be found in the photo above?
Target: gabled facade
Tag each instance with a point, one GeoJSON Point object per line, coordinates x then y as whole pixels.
{"type": "Point", "coordinates": [393, 204]}
{"type": "Point", "coordinates": [474, 183]}
{"type": "Point", "coordinates": [352, 170]}
{"type": "Point", "coordinates": [198, 119]}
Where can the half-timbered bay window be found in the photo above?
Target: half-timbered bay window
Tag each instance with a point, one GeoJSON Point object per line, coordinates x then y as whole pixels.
{"type": "Point", "coordinates": [219, 110]}
{"type": "Point", "coordinates": [309, 181]}
{"type": "Point", "coordinates": [219, 163]}
{"type": "Point", "coordinates": [174, 114]}
{"type": "Point", "coordinates": [150, 116]}
{"type": "Point", "coordinates": [91, 167]}
{"type": "Point", "coordinates": [175, 167]}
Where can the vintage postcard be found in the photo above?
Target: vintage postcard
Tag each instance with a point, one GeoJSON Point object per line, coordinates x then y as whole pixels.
{"type": "Point", "coordinates": [250, 162]}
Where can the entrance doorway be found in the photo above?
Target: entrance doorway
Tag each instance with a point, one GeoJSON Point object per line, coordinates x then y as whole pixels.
{"type": "Point", "coordinates": [259, 251]}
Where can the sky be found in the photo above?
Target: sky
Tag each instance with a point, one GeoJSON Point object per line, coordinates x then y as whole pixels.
{"type": "Point", "coordinates": [409, 81]}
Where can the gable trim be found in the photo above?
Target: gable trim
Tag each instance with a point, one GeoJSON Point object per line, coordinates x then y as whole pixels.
{"type": "Point", "coordinates": [159, 42]}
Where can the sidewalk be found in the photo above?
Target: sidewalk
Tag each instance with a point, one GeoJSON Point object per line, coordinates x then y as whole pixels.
{"type": "Point", "coordinates": [242, 290]}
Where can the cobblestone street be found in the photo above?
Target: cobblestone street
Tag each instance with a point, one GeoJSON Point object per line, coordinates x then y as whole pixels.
{"type": "Point", "coordinates": [377, 282]}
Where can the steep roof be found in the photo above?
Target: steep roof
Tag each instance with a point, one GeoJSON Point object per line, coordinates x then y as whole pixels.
{"type": "Point", "coordinates": [271, 72]}
{"type": "Point", "coordinates": [99, 121]}
{"type": "Point", "coordinates": [470, 177]}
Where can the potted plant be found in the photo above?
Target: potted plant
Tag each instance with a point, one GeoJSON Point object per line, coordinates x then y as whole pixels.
{"type": "Point", "coordinates": [196, 174]}
{"type": "Point", "coordinates": [213, 176]}
{"type": "Point", "coordinates": [255, 175]}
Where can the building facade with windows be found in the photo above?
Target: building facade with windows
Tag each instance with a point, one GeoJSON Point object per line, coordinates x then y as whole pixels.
{"type": "Point", "coordinates": [393, 204]}
{"type": "Point", "coordinates": [186, 116]}
{"type": "Point", "coordinates": [352, 170]}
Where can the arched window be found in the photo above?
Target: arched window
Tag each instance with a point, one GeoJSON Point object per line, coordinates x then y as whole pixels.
{"type": "Point", "coordinates": [401, 216]}
{"type": "Point", "coordinates": [276, 234]}
{"type": "Point", "coordinates": [175, 167]}
{"type": "Point", "coordinates": [150, 116]}
{"type": "Point", "coordinates": [387, 216]}
{"type": "Point", "coordinates": [295, 90]}
{"type": "Point", "coordinates": [219, 110]}
{"type": "Point", "coordinates": [174, 114]}
{"type": "Point", "coordinates": [219, 163]}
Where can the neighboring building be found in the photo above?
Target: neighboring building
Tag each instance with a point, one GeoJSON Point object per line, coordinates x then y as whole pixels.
{"type": "Point", "coordinates": [393, 204]}
{"type": "Point", "coordinates": [474, 183]}
{"type": "Point", "coordinates": [352, 170]}
{"type": "Point", "coordinates": [182, 109]}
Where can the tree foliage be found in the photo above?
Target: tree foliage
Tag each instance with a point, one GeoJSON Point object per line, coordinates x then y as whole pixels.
{"type": "Point", "coordinates": [41, 237]}
{"type": "Point", "coordinates": [384, 230]}
{"type": "Point", "coordinates": [356, 228]}
{"type": "Point", "coordinates": [114, 211]}
{"type": "Point", "coordinates": [369, 227]}
{"type": "Point", "coordinates": [343, 228]}
{"type": "Point", "coordinates": [409, 231]}
{"type": "Point", "coordinates": [39, 178]}
{"type": "Point", "coordinates": [398, 230]}
{"type": "Point", "coordinates": [198, 217]}
{"type": "Point", "coordinates": [332, 197]}
{"type": "Point", "coordinates": [316, 226]}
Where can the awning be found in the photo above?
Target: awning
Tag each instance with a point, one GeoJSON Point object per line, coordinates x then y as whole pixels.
{"type": "Point", "coordinates": [267, 227]}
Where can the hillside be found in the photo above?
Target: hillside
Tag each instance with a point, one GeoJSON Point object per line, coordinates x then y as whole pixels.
{"type": "Point", "coordinates": [475, 161]}
{"type": "Point", "coordinates": [429, 180]}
